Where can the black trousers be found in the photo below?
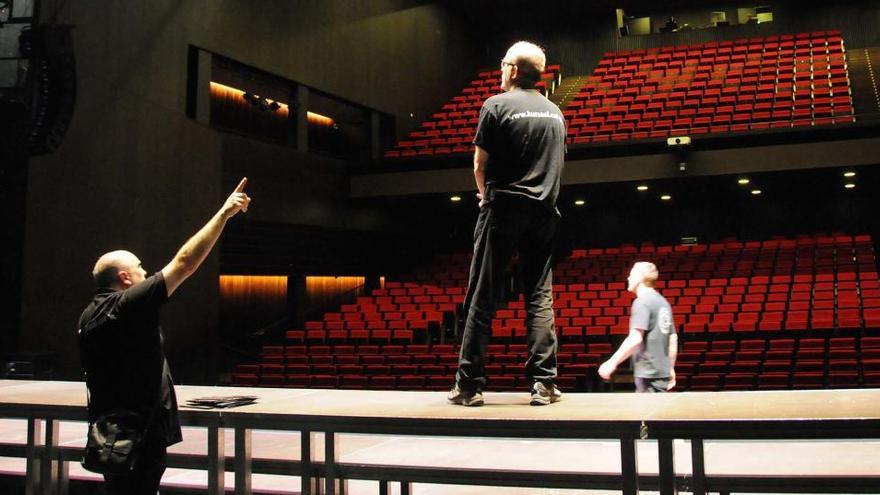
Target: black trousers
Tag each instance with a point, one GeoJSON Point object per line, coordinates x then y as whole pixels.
{"type": "Point", "coordinates": [147, 475]}
{"type": "Point", "coordinates": [505, 225]}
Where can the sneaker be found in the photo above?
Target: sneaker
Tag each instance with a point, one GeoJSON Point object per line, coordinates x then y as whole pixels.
{"type": "Point", "coordinates": [543, 395]}
{"type": "Point", "coordinates": [470, 399]}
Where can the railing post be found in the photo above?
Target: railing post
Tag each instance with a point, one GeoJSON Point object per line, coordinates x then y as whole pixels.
{"type": "Point", "coordinates": [308, 482]}
{"type": "Point", "coordinates": [216, 459]}
{"type": "Point", "coordinates": [699, 466]}
{"type": "Point", "coordinates": [243, 466]}
{"type": "Point", "coordinates": [32, 462]}
{"type": "Point", "coordinates": [330, 458]}
{"type": "Point", "coordinates": [629, 472]}
{"type": "Point", "coordinates": [666, 457]}
{"type": "Point", "coordinates": [48, 463]}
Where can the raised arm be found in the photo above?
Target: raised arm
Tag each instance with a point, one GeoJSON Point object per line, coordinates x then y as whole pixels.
{"type": "Point", "coordinates": [196, 249]}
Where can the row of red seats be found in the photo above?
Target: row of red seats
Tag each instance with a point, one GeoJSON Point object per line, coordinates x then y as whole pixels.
{"type": "Point", "coordinates": [799, 40]}
{"type": "Point", "coordinates": [702, 365]}
{"type": "Point", "coordinates": [586, 314]}
{"type": "Point", "coordinates": [838, 240]}
{"type": "Point", "coordinates": [779, 75]}
{"type": "Point", "coordinates": [451, 129]}
{"type": "Point", "coordinates": [772, 69]}
{"type": "Point", "coordinates": [627, 99]}
{"type": "Point", "coordinates": [785, 363]}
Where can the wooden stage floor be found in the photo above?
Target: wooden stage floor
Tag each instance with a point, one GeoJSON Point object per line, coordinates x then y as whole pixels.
{"type": "Point", "coordinates": [852, 457]}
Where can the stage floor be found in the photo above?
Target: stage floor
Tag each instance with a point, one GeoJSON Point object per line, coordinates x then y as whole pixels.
{"type": "Point", "coordinates": [785, 458]}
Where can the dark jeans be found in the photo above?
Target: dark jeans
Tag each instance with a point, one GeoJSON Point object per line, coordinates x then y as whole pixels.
{"type": "Point", "coordinates": [505, 225]}
{"type": "Point", "coordinates": [651, 385]}
{"type": "Point", "coordinates": [147, 475]}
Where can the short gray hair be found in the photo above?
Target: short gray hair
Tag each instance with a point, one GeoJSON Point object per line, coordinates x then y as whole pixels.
{"type": "Point", "coordinates": [530, 63]}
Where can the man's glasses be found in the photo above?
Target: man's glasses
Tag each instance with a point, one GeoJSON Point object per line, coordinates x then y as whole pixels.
{"type": "Point", "coordinates": [505, 63]}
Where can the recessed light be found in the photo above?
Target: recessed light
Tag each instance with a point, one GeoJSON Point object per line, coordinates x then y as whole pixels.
{"type": "Point", "coordinates": [579, 202]}
{"type": "Point", "coordinates": [743, 181]}
{"type": "Point", "coordinates": [642, 187]}
{"type": "Point", "coordinates": [666, 197]}
{"type": "Point", "coordinates": [455, 199]}
{"type": "Point", "coordinates": [756, 192]}
{"type": "Point", "coordinates": [849, 174]}
{"type": "Point", "coordinates": [849, 186]}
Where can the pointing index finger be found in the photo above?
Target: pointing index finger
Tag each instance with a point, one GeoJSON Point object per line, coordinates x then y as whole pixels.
{"type": "Point", "coordinates": [241, 185]}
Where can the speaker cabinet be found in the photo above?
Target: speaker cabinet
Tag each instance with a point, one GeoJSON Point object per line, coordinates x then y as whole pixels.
{"type": "Point", "coordinates": [50, 85]}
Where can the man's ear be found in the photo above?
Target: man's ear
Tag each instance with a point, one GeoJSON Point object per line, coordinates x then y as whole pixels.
{"type": "Point", "coordinates": [124, 278]}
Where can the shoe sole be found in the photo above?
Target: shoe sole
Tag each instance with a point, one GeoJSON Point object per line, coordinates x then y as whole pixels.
{"type": "Point", "coordinates": [541, 401]}
{"type": "Point", "coordinates": [460, 401]}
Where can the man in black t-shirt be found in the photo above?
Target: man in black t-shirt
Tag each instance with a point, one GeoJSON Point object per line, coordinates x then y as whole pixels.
{"type": "Point", "coordinates": [121, 344]}
{"type": "Point", "coordinates": [520, 147]}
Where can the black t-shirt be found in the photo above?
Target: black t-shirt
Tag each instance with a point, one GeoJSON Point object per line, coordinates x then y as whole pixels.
{"type": "Point", "coordinates": [121, 348]}
{"type": "Point", "coordinates": [524, 134]}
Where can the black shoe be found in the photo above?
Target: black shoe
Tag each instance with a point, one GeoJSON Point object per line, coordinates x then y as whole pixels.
{"type": "Point", "coordinates": [470, 399]}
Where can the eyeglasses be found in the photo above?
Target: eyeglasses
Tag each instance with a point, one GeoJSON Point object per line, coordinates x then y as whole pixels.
{"type": "Point", "coordinates": [505, 63]}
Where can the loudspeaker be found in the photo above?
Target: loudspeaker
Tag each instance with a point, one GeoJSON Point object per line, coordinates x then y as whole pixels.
{"type": "Point", "coordinates": [50, 85]}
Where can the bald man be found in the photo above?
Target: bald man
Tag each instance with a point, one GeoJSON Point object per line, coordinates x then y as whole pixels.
{"type": "Point", "coordinates": [121, 344]}
{"type": "Point", "coordinates": [652, 339]}
{"type": "Point", "coordinates": [518, 158]}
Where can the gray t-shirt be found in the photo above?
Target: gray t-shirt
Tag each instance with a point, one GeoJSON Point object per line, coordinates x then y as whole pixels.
{"type": "Point", "coordinates": [652, 313]}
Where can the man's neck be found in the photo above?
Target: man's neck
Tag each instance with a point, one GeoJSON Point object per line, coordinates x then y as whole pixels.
{"type": "Point", "coordinates": [642, 290]}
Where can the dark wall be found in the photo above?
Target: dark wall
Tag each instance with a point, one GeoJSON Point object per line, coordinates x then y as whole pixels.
{"type": "Point", "coordinates": [134, 172]}
{"type": "Point", "coordinates": [710, 208]}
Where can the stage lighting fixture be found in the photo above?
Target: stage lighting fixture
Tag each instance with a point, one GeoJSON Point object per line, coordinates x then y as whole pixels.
{"type": "Point", "coordinates": [756, 192]}
{"type": "Point", "coordinates": [5, 10]}
{"type": "Point", "coordinates": [680, 146]}
{"type": "Point", "coordinates": [642, 188]}
{"type": "Point", "coordinates": [665, 197]}
{"type": "Point", "coordinates": [849, 174]}
{"type": "Point", "coordinates": [455, 199]}
{"type": "Point", "coordinates": [251, 98]}
{"type": "Point", "coordinates": [579, 202]}
{"type": "Point", "coordinates": [743, 181]}
{"type": "Point", "coordinates": [849, 186]}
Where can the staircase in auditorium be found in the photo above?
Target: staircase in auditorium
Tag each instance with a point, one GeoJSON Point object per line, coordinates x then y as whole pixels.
{"type": "Point", "coordinates": [780, 313]}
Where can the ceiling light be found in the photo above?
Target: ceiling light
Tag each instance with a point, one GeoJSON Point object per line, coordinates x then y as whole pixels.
{"type": "Point", "coordinates": [579, 202]}
{"type": "Point", "coordinates": [756, 192]}
{"type": "Point", "coordinates": [666, 197]}
{"type": "Point", "coordinates": [743, 181]}
{"type": "Point", "coordinates": [849, 186]}
{"type": "Point", "coordinates": [642, 188]}
{"type": "Point", "coordinates": [455, 199]}
{"type": "Point", "coordinates": [849, 174]}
